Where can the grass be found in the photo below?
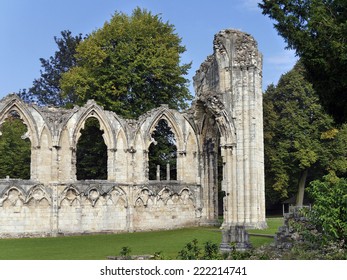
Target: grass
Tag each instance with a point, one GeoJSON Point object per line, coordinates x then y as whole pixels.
{"type": "Point", "coordinates": [273, 225]}
{"type": "Point", "coordinates": [98, 247]}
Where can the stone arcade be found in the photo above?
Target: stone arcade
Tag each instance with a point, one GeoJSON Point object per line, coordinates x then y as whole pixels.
{"type": "Point", "coordinates": [225, 119]}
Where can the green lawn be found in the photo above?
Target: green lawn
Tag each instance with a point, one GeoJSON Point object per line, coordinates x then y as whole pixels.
{"type": "Point", "coordinates": [98, 247]}
{"type": "Point", "coordinates": [273, 225]}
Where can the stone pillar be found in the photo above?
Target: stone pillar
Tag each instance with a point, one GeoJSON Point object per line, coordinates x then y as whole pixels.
{"type": "Point", "coordinates": [55, 209]}
{"type": "Point", "coordinates": [111, 168]}
{"type": "Point", "coordinates": [227, 184]}
{"type": "Point", "coordinates": [158, 172]}
{"type": "Point", "coordinates": [180, 165]}
{"type": "Point", "coordinates": [34, 163]}
{"type": "Point", "coordinates": [168, 172]}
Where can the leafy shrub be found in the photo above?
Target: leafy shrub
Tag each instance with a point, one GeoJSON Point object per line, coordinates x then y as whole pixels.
{"type": "Point", "coordinates": [125, 252]}
{"type": "Point", "coordinates": [191, 251]}
{"type": "Point", "coordinates": [329, 212]}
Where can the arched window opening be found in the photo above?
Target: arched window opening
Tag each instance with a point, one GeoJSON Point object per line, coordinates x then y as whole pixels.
{"type": "Point", "coordinates": [162, 153]}
{"type": "Point", "coordinates": [15, 148]}
{"type": "Point", "coordinates": [91, 152]}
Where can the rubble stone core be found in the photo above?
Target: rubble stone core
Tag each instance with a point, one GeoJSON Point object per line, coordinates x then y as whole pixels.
{"type": "Point", "coordinates": [225, 120]}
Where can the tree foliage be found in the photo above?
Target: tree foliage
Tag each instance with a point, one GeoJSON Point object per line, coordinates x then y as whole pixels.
{"type": "Point", "coordinates": [294, 122]}
{"type": "Point", "coordinates": [162, 152]}
{"type": "Point", "coordinates": [336, 147]}
{"type": "Point", "coordinates": [317, 31]}
{"type": "Point", "coordinates": [15, 152]}
{"type": "Point", "coordinates": [129, 66]}
{"type": "Point", "coordinates": [329, 212]}
{"type": "Point", "coordinates": [91, 152]}
{"type": "Point", "coordinates": [46, 89]}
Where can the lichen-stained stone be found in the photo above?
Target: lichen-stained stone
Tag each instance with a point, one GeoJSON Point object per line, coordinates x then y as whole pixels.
{"type": "Point", "coordinates": [219, 136]}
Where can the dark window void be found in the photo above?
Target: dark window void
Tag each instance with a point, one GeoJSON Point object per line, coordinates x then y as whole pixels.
{"type": "Point", "coordinates": [221, 193]}
{"type": "Point", "coordinates": [15, 148]}
{"type": "Point", "coordinates": [162, 154]}
{"type": "Point", "coordinates": [91, 153]}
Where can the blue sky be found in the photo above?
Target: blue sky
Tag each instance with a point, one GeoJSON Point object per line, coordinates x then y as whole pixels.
{"type": "Point", "coordinates": [27, 28]}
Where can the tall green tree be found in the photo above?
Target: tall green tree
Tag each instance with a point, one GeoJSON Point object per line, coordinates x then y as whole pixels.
{"type": "Point", "coordinates": [130, 65]}
{"type": "Point", "coordinates": [317, 31]}
{"type": "Point", "coordinates": [294, 124]}
{"type": "Point", "coordinates": [15, 152]}
{"type": "Point", "coordinates": [46, 89]}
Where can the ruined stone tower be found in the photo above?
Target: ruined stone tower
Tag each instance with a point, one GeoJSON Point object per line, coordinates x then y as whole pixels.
{"type": "Point", "coordinates": [229, 103]}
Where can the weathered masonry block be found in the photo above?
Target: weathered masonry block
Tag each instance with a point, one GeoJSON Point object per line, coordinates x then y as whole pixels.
{"type": "Point", "coordinates": [224, 122]}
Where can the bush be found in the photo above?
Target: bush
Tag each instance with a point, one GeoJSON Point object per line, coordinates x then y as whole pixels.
{"type": "Point", "coordinates": [329, 211]}
{"type": "Point", "coordinates": [191, 251]}
{"type": "Point", "coordinates": [125, 253]}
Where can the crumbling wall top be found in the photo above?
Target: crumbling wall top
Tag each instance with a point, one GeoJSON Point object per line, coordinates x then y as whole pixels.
{"type": "Point", "coordinates": [232, 49]}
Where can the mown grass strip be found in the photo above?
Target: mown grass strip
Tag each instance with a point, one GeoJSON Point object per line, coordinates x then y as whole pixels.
{"type": "Point", "coordinates": [98, 247]}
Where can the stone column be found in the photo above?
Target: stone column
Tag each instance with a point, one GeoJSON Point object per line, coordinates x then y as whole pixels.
{"type": "Point", "coordinates": [111, 168]}
{"type": "Point", "coordinates": [55, 209]}
{"type": "Point", "coordinates": [168, 172]}
{"type": "Point", "coordinates": [158, 172]}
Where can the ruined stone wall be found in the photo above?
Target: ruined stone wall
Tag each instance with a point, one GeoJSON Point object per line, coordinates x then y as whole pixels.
{"type": "Point", "coordinates": [224, 120]}
{"type": "Point", "coordinates": [54, 201]}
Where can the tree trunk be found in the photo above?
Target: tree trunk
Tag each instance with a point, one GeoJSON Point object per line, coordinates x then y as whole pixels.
{"type": "Point", "coordinates": [301, 190]}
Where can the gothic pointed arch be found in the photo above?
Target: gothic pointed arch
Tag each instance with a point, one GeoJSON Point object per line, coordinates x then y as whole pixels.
{"type": "Point", "coordinates": [14, 103]}
{"type": "Point", "coordinates": [45, 161]}
{"type": "Point", "coordinates": [121, 140]}
{"type": "Point", "coordinates": [213, 107]}
{"type": "Point", "coordinates": [166, 114]}
{"type": "Point", "coordinates": [118, 196]}
{"type": "Point", "coordinates": [164, 195]}
{"type": "Point", "coordinates": [102, 124]}
{"type": "Point", "coordinates": [120, 158]}
{"type": "Point", "coordinates": [71, 195]}
{"type": "Point", "coordinates": [144, 198]}
{"type": "Point", "coordinates": [187, 197]}
{"type": "Point", "coordinates": [92, 110]}
{"type": "Point", "coordinates": [38, 193]}
{"type": "Point", "coordinates": [191, 158]}
{"type": "Point", "coordinates": [12, 195]}
{"type": "Point", "coordinates": [46, 135]}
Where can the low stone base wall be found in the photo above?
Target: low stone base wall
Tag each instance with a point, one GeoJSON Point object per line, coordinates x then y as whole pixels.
{"type": "Point", "coordinates": [29, 209]}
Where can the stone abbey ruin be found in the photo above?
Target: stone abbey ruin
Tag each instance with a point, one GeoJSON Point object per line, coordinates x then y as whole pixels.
{"type": "Point", "coordinates": [225, 121]}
